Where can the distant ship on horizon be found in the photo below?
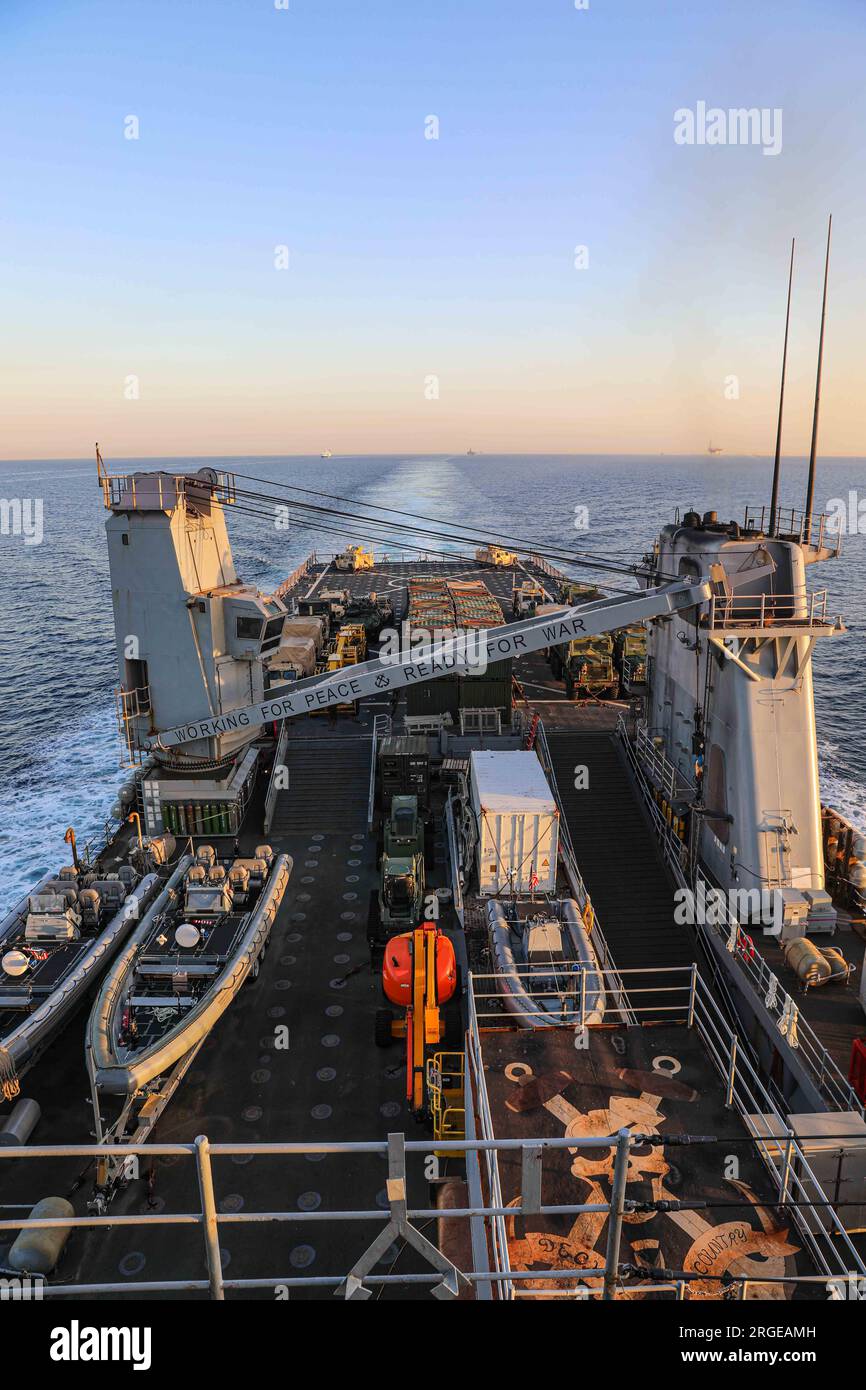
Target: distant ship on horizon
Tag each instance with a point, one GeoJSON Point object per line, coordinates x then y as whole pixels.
{"type": "Point", "coordinates": [714, 448]}
{"type": "Point", "coordinates": [325, 454]}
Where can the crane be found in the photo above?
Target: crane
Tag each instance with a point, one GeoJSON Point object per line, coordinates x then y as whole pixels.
{"type": "Point", "coordinates": [442, 658]}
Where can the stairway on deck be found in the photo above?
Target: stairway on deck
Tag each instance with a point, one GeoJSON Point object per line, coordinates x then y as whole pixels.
{"type": "Point", "coordinates": [329, 780]}
{"type": "Point", "coordinates": [618, 856]}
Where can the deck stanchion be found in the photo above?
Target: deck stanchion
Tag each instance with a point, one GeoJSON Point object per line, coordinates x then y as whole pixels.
{"type": "Point", "coordinates": [732, 1071]}
{"type": "Point", "coordinates": [209, 1217]}
{"type": "Point", "coordinates": [614, 1220]}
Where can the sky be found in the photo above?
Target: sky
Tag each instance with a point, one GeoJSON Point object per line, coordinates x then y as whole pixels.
{"type": "Point", "coordinates": [282, 260]}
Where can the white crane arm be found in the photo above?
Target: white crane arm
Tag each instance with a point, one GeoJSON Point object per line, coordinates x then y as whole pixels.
{"type": "Point", "coordinates": [454, 655]}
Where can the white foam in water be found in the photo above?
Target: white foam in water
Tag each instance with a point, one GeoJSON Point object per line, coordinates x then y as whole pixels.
{"type": "Point", "coordinates": [839, 791]}
{"type": "Point", "coordinates": [74, 780]}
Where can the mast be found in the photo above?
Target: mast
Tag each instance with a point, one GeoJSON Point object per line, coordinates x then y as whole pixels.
{"type": "Point", "coordinates": [774, 499]}
{"type": "Point", "coordinates": [810, 487]}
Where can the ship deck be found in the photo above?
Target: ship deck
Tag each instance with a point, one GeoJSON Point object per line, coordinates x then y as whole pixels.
{"type": "Point", "coordinates": [332, 1083]}
{"type": "Point", "coordinates": [656, 1081]}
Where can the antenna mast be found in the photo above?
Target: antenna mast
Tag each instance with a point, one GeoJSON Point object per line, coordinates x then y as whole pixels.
{"type": "Point", "coordinates": [774, 499]}
{"type": "Point", "coordinates": [810, 487]}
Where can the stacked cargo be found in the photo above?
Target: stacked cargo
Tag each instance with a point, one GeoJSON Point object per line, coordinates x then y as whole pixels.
{"type": "Point", "coordinates": [430, 604]}
{"type": "Point", "coordinates": [446, 606]}
{"type": "Point", "coordinates": [474, 605]}
{"type": "Point", "coordinates": [311, 627]}
{"type": "Point", "coordinates": [404, 764]}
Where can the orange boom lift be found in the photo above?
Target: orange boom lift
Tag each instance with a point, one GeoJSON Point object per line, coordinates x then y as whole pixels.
{"type": "Point", "coordinates": [419, 974]}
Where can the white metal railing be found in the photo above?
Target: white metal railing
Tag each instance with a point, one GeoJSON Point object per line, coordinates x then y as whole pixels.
{"type": "Point", "coordinates": [161, 490]}
{"type": "Point", "coordinates": [299, 572]}
{"type": "Point", "coordinates": [798, 1188]}
{"type": "Point", "coordinates": [664, 775]}
{"type": "Point", "coordinates": [792, 524]}
{"type": "Point", "coordinates": [831, 1083]}
{"type": "Point", "coordinates": [571, 1000]}
{"type": "Point", "coordinates": [769, 610]}
{"type": "Point", "coordinates": [274, 788]}
{"type": "Point", "coordinates": [381, 729]}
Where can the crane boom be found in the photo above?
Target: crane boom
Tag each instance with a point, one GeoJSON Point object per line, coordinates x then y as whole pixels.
{"type": "Point", "coordinates": [443, 658]}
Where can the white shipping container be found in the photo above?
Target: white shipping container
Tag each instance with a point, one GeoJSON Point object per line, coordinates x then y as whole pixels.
{"type": "Point", "coordinates": [518, 823]}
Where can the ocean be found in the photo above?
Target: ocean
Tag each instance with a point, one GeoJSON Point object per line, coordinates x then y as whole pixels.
{"type": "Point", "coordinates": [59, 747]}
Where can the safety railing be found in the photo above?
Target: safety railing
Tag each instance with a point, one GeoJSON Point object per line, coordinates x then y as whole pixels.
{"type": "Point", "coordinates": [796, 1187]}
{"type": "Point", "coordinates": [722, 923]}
{"type": "Point", "coordinates": [575, 1003]}
{"type": "Point", "coordinates": [276, 778]}
{"type": "Point", "coordinates": [162, 491]}
{"type": "Point", "coordinates": [799, 1190]}
{"type": "Point", "coordinates": [692, 1005]}
{"type": "Point", "coordinates": [661, 771]}
{"type": "Point", "coordinates": [298, 573]}
{"type": "Point", "coordinates": [805, 610]}
{"type": "Point", "coordinates": [381, 729]}
{"type": "Point", "coordinates": [794, 525]}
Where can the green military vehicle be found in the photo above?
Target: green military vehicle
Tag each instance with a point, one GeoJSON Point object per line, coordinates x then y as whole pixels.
{"type": "Point", "coordinates": [586, 666]}
{"type": "Point", "coordinates": [574, 593]}
{"type": "Point", "coordinates": [401, 881]}
{"type": "Point", "coordinates": [630, 656]}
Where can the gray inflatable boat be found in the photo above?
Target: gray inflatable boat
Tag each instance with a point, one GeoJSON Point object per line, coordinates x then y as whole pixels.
{"type": "Point", "coordinates": [545, 966]}
{"type": "Point", "coordinates": [183, 966]}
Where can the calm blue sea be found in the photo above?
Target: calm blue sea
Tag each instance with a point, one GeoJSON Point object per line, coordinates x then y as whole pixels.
{"type": "Point", "coordinates": [58, 743]}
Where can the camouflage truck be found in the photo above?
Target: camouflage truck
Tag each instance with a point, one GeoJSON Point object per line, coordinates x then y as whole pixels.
{"type": "Point", "coordinates": [630, 657]}
{"type": "Point", "coordinates": [586, 666]}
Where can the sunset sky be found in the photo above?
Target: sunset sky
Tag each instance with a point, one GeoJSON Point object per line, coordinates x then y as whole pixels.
{"type": "Point", "coordinates": [142, 305]}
